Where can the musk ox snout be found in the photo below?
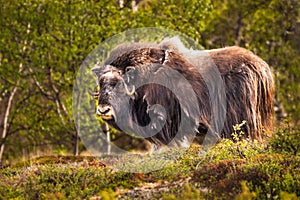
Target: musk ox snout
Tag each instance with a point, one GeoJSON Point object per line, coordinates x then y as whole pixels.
{"type": "Point", "coordinates": [105, 111]}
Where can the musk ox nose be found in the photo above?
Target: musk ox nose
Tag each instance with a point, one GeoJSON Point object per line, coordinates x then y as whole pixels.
{"type": "Point", "coordinates": [105, 111]}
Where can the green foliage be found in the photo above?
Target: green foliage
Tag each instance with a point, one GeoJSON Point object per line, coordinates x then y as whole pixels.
{"type": "Point", "coordinates": [245, 194]}
{"type": "Point", "coordinates": [188, 17]}
{"type": "Point", "coordinates": [107, 194]}
{"type": "Point", "coordinates": [227, 149]}
{"type": "Point", "coordinates": [266, 175]}
{"type": "Point", "coordinates": [287, 196]}
{"type": "Point", "coordinates": [238, 133]}
{"type": "Point", "coordinates": [53, 196]}
{"type": "Point", "coordinates": [286, 140]}
{"type": "Point", "coordinates": [187, 192]}
{"type": "Point", "coordinates": [263, 175]}
{"type": "Point", "coordinates": [72, 181]}
{"type": "Point", "coordinates": [190, 192]}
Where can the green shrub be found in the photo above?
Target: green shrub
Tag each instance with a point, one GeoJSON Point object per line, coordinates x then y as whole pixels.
{"type": "Point", "coordinates": [286, 140]}
{"type": "Point", "coordinates": [245, 194]}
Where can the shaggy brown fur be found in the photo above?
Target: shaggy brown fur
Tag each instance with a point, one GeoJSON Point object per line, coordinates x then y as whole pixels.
{"type": "Point", "coordinates": [247, 79]}
{"type": "Point", "coordinates": [249, 90]}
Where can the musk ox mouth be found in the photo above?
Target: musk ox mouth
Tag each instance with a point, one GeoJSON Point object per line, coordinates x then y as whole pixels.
{"type": "Point", "coordinates": [106, 112]}
{"type": "Point", "coordinates": [107, 117]}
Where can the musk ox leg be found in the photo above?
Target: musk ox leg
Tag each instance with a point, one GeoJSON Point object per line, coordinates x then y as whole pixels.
{"type": "Point", "coordinates": [158, 117]}
{"type": "Point", "coordinates": [202, 129]}
{"type": "Point", "coordinates": [206, 135]}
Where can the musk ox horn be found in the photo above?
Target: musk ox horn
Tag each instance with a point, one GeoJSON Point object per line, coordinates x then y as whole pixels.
{"type": "Point", "coordinates": [129, 93]}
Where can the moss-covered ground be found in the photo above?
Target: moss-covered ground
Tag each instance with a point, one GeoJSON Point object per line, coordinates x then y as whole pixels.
{"type": "Point", "coordinates": [230, 170]}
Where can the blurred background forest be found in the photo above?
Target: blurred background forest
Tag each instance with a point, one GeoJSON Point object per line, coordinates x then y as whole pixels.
{"type": "Point", "coordinates": [43, 43]}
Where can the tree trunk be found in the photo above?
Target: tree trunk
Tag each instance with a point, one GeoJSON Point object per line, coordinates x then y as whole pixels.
{"type": "Point", "coordinates": [121, 3]}
{"type": "Point", "coordinates": [76, 143]}
{"type": "Point", "coordinates": [134, 6]}
{"type": "Point", "coordinates": [77, 121]}
{"type": "Point", "coordinates": [6, 116]}
{"type": "Point", "coordinates": [10, 101]}
{"type": "Point", "coordinates": [238, 31]}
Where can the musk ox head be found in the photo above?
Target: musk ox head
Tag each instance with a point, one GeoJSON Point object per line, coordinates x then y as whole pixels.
{"type": "Point", "coordinates": [167, 93]}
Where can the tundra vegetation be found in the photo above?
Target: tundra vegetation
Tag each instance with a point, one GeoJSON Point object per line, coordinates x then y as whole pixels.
{"type": "Point", "coordinates": [42, 45]}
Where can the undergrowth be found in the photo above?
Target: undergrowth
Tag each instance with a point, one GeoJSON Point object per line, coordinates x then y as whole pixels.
{"type": "Point", "coordinates": [239, 169]}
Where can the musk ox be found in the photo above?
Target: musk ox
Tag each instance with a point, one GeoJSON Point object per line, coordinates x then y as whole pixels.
{"type": "Point", "coordinates": [167, 93]}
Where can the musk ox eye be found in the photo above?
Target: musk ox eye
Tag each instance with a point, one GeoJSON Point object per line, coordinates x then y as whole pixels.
{"type": "Point", "coordinates": [129, 68]}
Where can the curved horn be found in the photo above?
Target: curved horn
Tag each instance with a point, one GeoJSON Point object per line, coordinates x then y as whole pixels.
{"type": "Point", "coordinates": [129, 93]}
{"type": "Point", "coordinates": [94, 94]}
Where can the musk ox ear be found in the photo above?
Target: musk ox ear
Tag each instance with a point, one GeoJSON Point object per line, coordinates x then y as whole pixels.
{"type": "Point", "coordinates": [173, 44]}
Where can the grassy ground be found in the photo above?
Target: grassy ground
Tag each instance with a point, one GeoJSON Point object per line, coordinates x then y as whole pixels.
{"type": "Point", "coordinates": [240, 170]}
